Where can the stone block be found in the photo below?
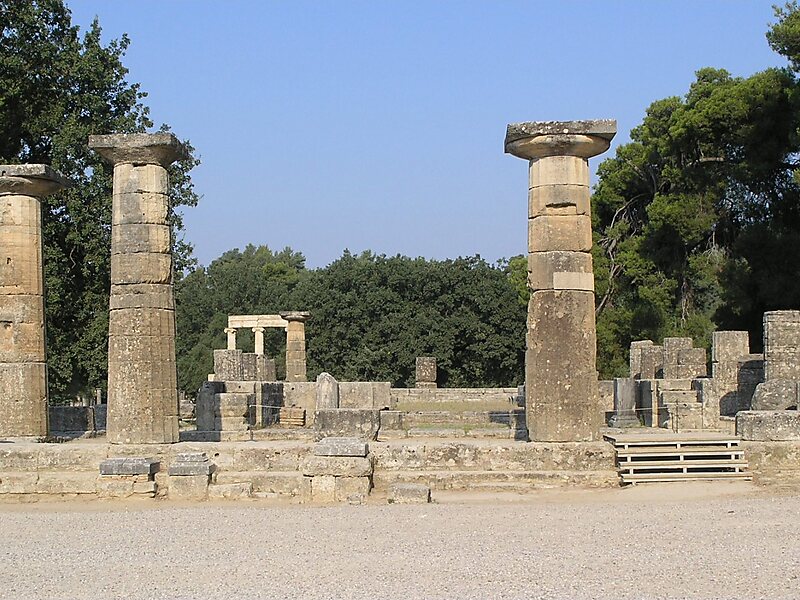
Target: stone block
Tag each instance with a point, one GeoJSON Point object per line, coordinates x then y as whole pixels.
{"type": "Point", "coordinates": [558, 170]}
{"type": "Point", "coordinates": [190, 465]}
{"type": "Point", "coordinates": [605, 390]}
{"type": "Point", "coordinates": [18, 482]}
{"type": "Point", "coordinates": [56, 482]}
{"type": "Point", "coordinates": [625, 390]}
{"type": "Point", "coordinates": [327, 392]}
{"type": "Point", "coordinates": [23, 411]}
{"type": "Point", "coordinates": [558, 199]}
{"type": "Point", "coordinates": [635, 357]}
{"type": "Point", "coordinates": [774, 425]}
{"type": "Point", "coordinates": [129, 466]}
{"type": "Point", "coordinates": [128, 238]}
{"type": "Point", "coordinates": [228, 365]}
{"type": "Point", "coordinates": [333, 446]}
{"type": "Point", "coordinates": [426, 370]}
{"type": "Point", "coordinates": [552, 233]}
{"type": "Point", "coordinates": [323, 488]}
{"type": "Point", "coordinates": [188, 487]}
{"type": "Point", "coordinates": [777, 394]}
{"type": "Point", "coordinates": [345, 422]}
{"type": "Point", "coordinates": [339, 466]}
{"type": "Point", "coordinates": [141, 267]}
{"type": "Point", "coordinates": [391, 419]}
{"type": "Point", "coordinates": [652, 362]}
{"type": "Point", "coordinates": [71, 419]}
{"type": "Point", "coordinates": [364, 394]}
{"type": "Point", "coordinates": [729, 346]}
{"type": "Point", "coordinates": [352, 489]}
{"type": "Point", "coordinates": [647, 401]}
{"type": "Point", "coordinates": [684, 416]}
{"type": "Point", "coordinates": [560, 270]}
{"type": "Point", "coordinates": [409, 493]}
{"type": "Point", "coordinates": [230, 491]}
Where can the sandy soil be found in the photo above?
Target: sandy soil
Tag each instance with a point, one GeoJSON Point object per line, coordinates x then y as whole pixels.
{"type": "Point", "coordinates": [720, 540]}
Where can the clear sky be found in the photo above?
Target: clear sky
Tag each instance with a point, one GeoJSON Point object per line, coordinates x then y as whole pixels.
{"type": "Point", "coordinates": [379, 125]}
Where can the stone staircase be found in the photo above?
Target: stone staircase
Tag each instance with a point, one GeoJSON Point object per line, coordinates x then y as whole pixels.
{"type": "Point", "coordinates": [664, 457]}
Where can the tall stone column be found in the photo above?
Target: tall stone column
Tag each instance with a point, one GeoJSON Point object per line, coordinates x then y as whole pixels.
{"type": "Point", "coordinates": [142, 381]}
{"type": "Point", "coordinates": [23, 370]}
{"type": "Point", "coordinates": [296, 345]}
{"type": "Point", "coordinates": [561, 357]}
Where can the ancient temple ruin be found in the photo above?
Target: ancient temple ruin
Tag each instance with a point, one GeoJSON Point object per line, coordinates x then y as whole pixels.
{"type": "Point", "coordinates": [331, 440]}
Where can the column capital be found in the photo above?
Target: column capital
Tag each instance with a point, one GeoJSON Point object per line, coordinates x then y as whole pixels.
{"type": "Point", "coordinates": [259, 329]}
{"type": "Point", "coordinates": [31, 180]}
{"type": "Point", "coordinates": [537, 139]}
{"type": "Point", "coordinates": [230, 330]}
{"type": "Point", "coordinates": [296, 315]}
{"type": "Point", "coordinates": [139, 148]}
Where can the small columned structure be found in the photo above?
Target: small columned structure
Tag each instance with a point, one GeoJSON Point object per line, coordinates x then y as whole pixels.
{"type": "Point", "coordinates": [560, 361]}
{"type": "Point", "coordinates": [23, 370]}
{"type": "Point", "coordinates": [142, 379]}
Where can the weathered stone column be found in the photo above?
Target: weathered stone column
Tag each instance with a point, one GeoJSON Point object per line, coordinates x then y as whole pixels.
{"type": "Point", "coordinates": [296, 345]}
{"type": "Point", "coordinates": [142, 385]}
{"type": "Point", "coordinates": [258, 332]}
{"type": "Point", "coordinates": [231, 333]}
{"type": "Point", "coordinates": [560, 362]}
{"type": "Point", "coordinates": [23, 370]}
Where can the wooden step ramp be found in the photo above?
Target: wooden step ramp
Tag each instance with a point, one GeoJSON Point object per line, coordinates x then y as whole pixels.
{"type": "Point", "coordinates": [661, 457]}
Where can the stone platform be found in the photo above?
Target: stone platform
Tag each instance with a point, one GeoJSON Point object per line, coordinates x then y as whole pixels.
{"type": "Point", "coordinates": [277, 469]}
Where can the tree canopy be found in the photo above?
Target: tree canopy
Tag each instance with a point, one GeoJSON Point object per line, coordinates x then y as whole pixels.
{"type": "Point", "coordinates": [56, 88]}
{"type": "Point", "coordinates": [697, 219]}
{"type": "Point", "coordinates": [371, 315]}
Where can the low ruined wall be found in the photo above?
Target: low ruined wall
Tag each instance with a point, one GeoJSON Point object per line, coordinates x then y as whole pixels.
{"type": "Point", "coordinates": [77, 420]}
{"type": "Point", "coordinates": [409, 398]}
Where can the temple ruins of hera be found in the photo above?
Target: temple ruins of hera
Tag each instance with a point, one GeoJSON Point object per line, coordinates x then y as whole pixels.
{"type": "Point", "coordinates": [251, 434]}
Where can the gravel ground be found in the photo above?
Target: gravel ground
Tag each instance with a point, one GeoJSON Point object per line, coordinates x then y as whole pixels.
{"type": "Point", "coordinates": [725, 540]}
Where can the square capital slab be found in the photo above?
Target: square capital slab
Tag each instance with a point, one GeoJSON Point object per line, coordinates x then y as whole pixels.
{"type": "Point", "coordinates": [139, 148]}
{"type": "Point", "coordinates": [31, 180]}
{"type": "Point", "coordinates": [537, 139]}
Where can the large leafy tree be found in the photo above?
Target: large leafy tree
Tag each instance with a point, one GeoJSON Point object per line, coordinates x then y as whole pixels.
{"type": "Point", "coordinates": [697, 219]}
{"type": "Point", "coordinates": [56, 88]}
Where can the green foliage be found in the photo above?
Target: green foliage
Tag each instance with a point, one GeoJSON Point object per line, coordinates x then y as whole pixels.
{"type": "Point", "coordinates": [371, 315]}
{"type": "Point", "coordinates": [56, 88]}
{"type": "Point", "coordinates": [696, 216]}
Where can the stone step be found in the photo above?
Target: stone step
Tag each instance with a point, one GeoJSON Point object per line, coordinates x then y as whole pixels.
{"type": "Point", "coordinates": [467, 417]}
{"type": "Point", "coordinates": [496, 480]}
{"type": "Point", "coordinates": [491, 455]}
{"type": "Point", "coordinates": [269, 483]}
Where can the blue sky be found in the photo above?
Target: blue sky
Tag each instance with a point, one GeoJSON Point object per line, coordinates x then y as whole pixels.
{"type": "Point", "coordinates": [379, 125]}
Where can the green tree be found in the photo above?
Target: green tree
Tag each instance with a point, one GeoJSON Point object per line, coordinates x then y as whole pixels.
{"type": "Point", "coordinates": [56, 88]}
{"type": "Point", "coordinates": [696, 216]}
{"type": "Point", "coordinates": [373, 315]}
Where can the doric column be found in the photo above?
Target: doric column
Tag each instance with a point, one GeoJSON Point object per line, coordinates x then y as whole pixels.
{"type": "Point", "coordinates": [231, 333]}
{"type": "Point", "coordinates": [258, 333]}
{"type": "Point", "coordinates": [23, 370]}
{"type": "Point", "coordinates": [560, 361]}
{"type": "Point", "coordinates": [142, 382]}
{"type": "Point", "coordinates": [296, 345]}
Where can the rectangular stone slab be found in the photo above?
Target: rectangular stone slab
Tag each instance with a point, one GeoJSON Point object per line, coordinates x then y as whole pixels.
{"type": "Point", "coordinates": [129, 466]}
{"type": "Point", "coordinates": [341, 446]}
